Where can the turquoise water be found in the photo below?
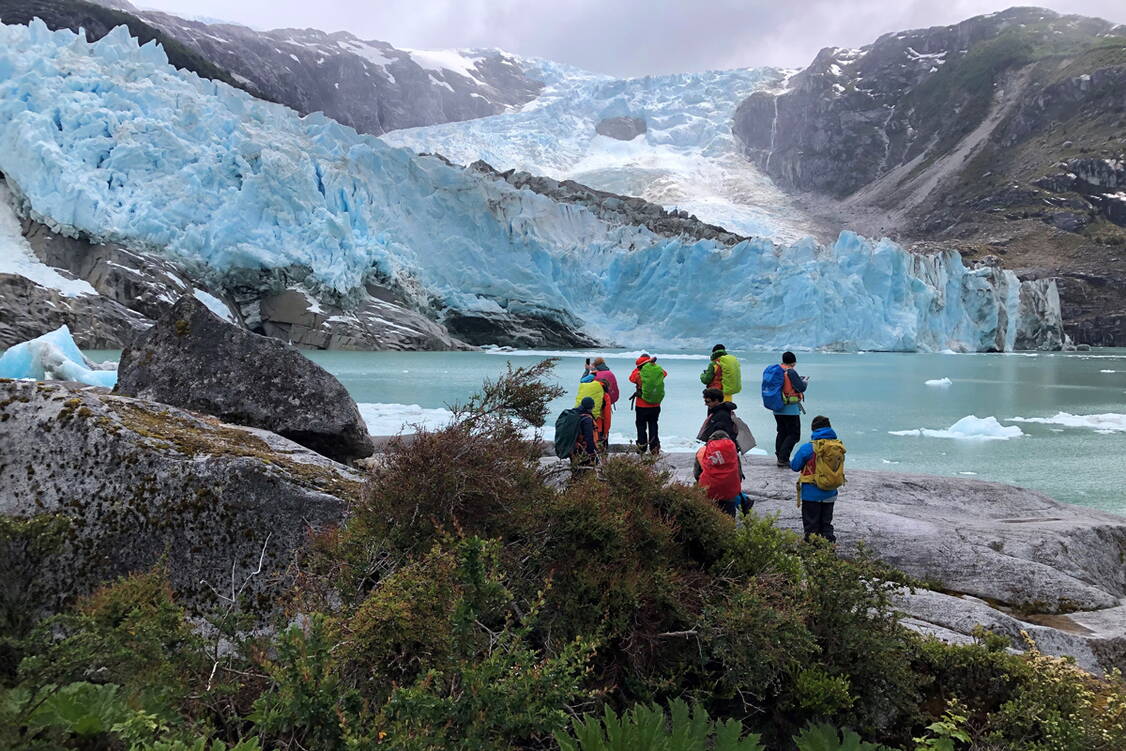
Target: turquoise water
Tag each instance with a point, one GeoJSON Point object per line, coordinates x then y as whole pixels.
{"type": "Point", "coordinates": [1077, 459]}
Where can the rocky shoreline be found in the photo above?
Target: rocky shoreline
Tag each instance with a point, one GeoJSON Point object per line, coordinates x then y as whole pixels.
{"type": "Point", "coordinates": [133, 481]}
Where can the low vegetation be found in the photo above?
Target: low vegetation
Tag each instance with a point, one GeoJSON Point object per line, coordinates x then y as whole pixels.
{"type": "Point", "coordinates": [480, 599]}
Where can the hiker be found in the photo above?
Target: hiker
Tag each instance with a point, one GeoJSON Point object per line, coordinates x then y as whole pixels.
{"type": "Point", "coordinates": [723, 373]}
{"type": "Point", "coordinates": [719, 471]}
{"type": "Point", "coordinates": [649, 377]}
{"type": "Point", "coordinates": [595, 390]}
{"type": "Point", "coordinates": [783, 391]}
{"type": "Point", "coordinates": [601, 372]}
{"type": "Point", "coordinates": [821, 464]}
{"type": "Point", "coordinates": [721, 415]}
{"type": "Point", "coordinates": [575, 437]}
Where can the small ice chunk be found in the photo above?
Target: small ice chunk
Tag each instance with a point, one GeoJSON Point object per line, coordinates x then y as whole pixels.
{"type": "Point", "coordinates": [55, 356]}
{"type": "Point", "coordinates": [970, 428]}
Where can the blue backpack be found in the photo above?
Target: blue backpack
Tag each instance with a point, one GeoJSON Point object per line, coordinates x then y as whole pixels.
{"type": "Point", "coordinates": [773, 377]}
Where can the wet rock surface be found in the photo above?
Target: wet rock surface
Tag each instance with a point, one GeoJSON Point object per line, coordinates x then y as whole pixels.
{"type": "Point", "coordinates": [193, 359]}
{"type": "Point", "coordinates": [134, 482]}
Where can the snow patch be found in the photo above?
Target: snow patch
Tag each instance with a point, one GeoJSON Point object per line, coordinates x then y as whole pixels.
{"type": "Point", "coordinates": [457, 61]}
{"type": "Point", "coordinates": [970, 428]}
{"type": "Point", "coordinates": [17, 257]}
{"type": "Point", "coordinates": [215, 305]}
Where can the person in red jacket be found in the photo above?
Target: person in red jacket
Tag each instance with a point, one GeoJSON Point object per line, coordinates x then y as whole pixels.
{"type": "Point", "coordinates": [719, 471]}
{"type": "Point", "coordinates": [647, 413]}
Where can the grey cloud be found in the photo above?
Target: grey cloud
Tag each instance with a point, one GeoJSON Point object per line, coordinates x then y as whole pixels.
{"type": "Point", "coordinates": [623, 37]}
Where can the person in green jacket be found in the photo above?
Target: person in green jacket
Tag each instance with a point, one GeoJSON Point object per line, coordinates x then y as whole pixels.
{"type": "Point", "coordinates": [722, 373]}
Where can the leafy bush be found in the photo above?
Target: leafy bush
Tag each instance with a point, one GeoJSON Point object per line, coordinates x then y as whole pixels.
{"type": "Point", "coordinates": [648, 727]}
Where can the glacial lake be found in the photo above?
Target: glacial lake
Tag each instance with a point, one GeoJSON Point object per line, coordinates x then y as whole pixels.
{"type": "Point", "coordinates": [1074, 449]}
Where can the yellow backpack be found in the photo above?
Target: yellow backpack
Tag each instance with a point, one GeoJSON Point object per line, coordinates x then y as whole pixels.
{"type": "Point", "coordinates": [828, 464]}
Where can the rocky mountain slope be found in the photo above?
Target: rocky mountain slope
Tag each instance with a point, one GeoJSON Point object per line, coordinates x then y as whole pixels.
{"type": "Point", "coordinates": [1003, 136]}
{"type": "Point", "coordinates": [367, 84]}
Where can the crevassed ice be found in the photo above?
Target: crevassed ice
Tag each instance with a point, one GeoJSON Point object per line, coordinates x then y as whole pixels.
{"type": "Point", "coordinates": [109, 140]}
{"type": "Point", "coordinates": [688, 157]}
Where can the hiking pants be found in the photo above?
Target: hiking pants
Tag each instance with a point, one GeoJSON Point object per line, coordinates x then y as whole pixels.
{"type": "Point", "coordinates": [817, 519]}
{"type": "Point", "coordinates": [647, 436]}
{"type": "Point", "coordinates": [789, 433]}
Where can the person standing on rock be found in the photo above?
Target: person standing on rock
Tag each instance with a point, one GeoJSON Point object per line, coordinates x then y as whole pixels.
{"type": "Point", "coordinates": [721, 415]}
{"type": "Point", "coordinates": [586, 443]}
{"type": "Point", "coordinates": [723, 373]}
{"type": "Point", "coordinates": [783, 391]}
{"type": "Point", "coordinates": [601, 372]}
{"type": "Point", "coordinates": [649, 377]}
{"type": "Point", "coordinates": [821, 464]}
{"type": "Point", "coordinates": [719, 471]}
{"type": "Point", "coordinates": [609, 381]}
{"type": "Point", "coordinates": [595, 390]}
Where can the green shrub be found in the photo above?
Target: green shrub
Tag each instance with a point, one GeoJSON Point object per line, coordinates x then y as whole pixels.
{"type": "Point", "coordinates": [307, 705]}
{"type": "Point", "coordinates": [649, 727]}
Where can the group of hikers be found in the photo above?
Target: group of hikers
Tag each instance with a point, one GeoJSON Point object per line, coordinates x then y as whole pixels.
{"type": "Point", "coordinates": [582, 433]}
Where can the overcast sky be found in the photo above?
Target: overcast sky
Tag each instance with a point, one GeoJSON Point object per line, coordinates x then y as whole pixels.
{"type": "Point", "coordinates": [622, 37]}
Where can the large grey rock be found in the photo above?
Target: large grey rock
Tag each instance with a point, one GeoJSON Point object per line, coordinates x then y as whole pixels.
{"type": "Point", "coordinates": [998, 542]}
{"type": "Point", "coordinates": [621, 128]}
{"type": "Point", "coordinates": [193, 359]}
{"type": "Point", "coordinates": [136, 481]}
{"type": "Point", "coordinates": [1097, 640]}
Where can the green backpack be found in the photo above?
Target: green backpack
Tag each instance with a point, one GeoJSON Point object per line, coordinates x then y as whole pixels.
{"type": "Point", "coordinates": [652, 383]}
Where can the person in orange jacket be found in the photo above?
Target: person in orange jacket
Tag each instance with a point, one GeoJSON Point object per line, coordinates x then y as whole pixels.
{"type": "Point", "coordinates": [649, 377]}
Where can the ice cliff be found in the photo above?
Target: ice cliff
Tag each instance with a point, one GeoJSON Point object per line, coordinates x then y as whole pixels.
{"type": "Point", "coordinates": [108, 140]}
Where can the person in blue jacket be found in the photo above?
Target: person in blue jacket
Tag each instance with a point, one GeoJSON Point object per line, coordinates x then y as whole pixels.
{"type": "Point", "coordinates": [816, 504]}
{"type": "Point", "coordinates": [788, 418]}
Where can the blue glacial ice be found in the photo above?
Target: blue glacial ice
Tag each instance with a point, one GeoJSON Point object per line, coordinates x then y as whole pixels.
{"type": "Point", "coordinates": [54, 356]}
{"type": "Point", "coordinates": [109, 140]}
{"type": "Point", "coordinates": [687, 158]}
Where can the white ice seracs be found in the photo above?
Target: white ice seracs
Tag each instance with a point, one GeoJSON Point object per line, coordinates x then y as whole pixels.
{"type": "Point", "coordinates": [55, 356]}
{"type": "Point", "coordinates": [109, 140]}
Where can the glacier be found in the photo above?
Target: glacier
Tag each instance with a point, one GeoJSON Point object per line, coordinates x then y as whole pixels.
{"type": "Point", "coordinates": [686, 159]}
{"type": "Point", "coordinates": [109, 141]}
{"type": "Point", "coordinates": [55, 356]}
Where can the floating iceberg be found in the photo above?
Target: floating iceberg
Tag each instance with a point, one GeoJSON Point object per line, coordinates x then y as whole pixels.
{"type": "Point", "coordinates": [940, 383]}
{"type": "Point", "coordinates": [55, 356]}
{"type": "Point", "coordinates": [1108, 422]}
{"type": "Point", "coordinates": [395, 419]}
{"type": "Point", "coordinates": [108, 140]}
{"type": "Point", "coordinates": [970, 428]}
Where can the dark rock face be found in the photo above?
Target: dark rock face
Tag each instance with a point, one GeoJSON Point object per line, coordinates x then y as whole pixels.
{"type": "Point", "coordinates": [621, 128]}
{"type": "Point", "coordinates": [28, 310]}
{"type": "Point", "coordinates": [135, 481]}
{"type": "Point", "coordinates": [194, 360]}
{"type": "Point", "coordinates": [1004, 134]}
{"type": "Point", "coordinates": [613, 208]}
{"type": "Point", "coordinates": [517, 330]}
{"type": "Point", "coordinates": [367, 84]}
